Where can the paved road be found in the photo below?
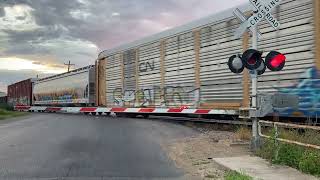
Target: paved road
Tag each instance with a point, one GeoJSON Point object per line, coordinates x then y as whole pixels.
{"type": "Point", "coordinates": [46, 146]}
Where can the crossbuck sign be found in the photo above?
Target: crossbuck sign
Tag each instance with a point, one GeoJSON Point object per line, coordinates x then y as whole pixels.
{"type": "Point", "coordinates": [264, 8]}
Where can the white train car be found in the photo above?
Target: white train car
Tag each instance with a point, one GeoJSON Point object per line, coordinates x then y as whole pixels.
{"type": "Point", "coordinates": [186, 67]}
{"type": "Point", "coordinates": [73, 88]}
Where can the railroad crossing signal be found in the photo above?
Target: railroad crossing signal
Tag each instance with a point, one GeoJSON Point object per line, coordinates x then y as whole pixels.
{"type": "Point", "coordinates": [264, 8]}
{"type": "Point", "coordinates": [253, 61]}
{"type": "Point", "coordinates": [252, 58]}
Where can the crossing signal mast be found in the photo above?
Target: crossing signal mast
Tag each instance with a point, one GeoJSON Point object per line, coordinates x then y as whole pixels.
{"type": "Point", "coordinates": [252, 60]}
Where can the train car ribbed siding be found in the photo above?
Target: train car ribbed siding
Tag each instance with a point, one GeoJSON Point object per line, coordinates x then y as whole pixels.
{"type": "Point", "coordinates": [316, 5]}
{"type": "Point", "coordinates": [113, 80]}
{"type": "Point", "coordinates": [296, 39]}
{"type": "Point", "coordinates": [150, 75]}
{"type": "Point", "coordinates": [187, 66]}
{"type": "Point", "coordinates": [218, 84]}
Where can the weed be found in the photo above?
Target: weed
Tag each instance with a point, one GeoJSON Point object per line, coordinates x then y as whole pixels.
{"type": "Point", "coordinates": [233, 175]}
{"type": "Point", "coordinates": [301, 158]}
{"type": "Point", "coordinates": [268, 150]}
{"type": "Point", "coordinates": [4, 114]}
{"type": "Point", "coordinates": [307, 136]}
{"type": "Point", "coordinates": [6, 107]}
{"type": "Point", "coordinates": [289, 155]}
{"type": "Point", "coordinates": [243, 133]}
{"type": "Point", "coordinates": [310, 163]}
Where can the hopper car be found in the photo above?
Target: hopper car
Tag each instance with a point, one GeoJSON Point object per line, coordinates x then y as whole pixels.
{"type": "Point", "coordinates": [74, 88]}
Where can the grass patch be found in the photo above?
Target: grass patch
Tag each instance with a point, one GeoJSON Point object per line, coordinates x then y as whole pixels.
{"type": "Point", "coordinates": [306, 160]}
{"type": "Point", "coordinates": [307, 136]}
{"type": "Point", "coordinates": [233, 175]}
{"type": "Point", "coordinates": [243, 133]}
{"type": "Point", "coordinates": [6, 107]}
{"type": "Point", "coordinates": [4, 114]}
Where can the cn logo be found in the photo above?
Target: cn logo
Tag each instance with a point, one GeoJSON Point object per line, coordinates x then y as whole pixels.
{"type": "Point", "coordinates": [146, 66]}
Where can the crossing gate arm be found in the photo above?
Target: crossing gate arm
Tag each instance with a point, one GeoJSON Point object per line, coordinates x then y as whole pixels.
{"type": "Point", "coordinates": [126, 110]}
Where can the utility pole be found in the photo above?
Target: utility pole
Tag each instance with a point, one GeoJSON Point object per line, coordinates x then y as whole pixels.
{"type": "Point", "coordinates": [69, 65]}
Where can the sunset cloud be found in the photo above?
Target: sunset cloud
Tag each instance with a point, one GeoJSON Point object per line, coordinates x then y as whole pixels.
{"type": "Point", "coordinates": [17, 64]}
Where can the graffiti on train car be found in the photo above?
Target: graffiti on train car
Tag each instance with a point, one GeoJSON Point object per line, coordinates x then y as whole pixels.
{"type": "Point", "coordinates": [77, 95]}
{"type": "Point", "coordinates": [65, 90]}
{"type": "Point", "coordinates": [24, 101]}
{"type": "Point", "coordinates": [173, 96]}
{"type": "Point", "coordinates": [308, 90]}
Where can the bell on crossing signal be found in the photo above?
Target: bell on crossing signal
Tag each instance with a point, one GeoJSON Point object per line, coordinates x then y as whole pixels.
{"type": "Point", "coordinates": [275, 61]}
{"type": "Point", "coordinates": [235, 64]}
{"type": "Point", "coordinates": [252, 59]}
{"type": "Point", "coordinates": [261, 69]}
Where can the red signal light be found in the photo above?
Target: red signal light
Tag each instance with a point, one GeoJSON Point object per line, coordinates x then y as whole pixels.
{"type": "Point", "coordinates": [275, 61]}
{"type": "Point", "coordinates": [278, 60]}
{"type": "Point", "coordinates": [252, 59]}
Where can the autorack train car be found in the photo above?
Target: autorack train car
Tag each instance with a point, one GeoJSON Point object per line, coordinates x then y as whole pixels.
{"type": "Point", "coordinates": [186, 67]}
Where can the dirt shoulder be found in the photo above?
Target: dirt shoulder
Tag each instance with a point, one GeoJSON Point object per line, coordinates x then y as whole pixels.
{"type": "Point", "coordinates": [194, 154]}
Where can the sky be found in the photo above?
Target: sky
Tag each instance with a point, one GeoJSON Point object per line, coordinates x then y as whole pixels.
{"type": "Point", "coordinates": [38, 36]}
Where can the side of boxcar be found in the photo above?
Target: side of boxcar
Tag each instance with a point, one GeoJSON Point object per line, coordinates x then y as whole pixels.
{"type": "Point", "coordinates": [186, 67]}
{"type": "Point", "coordinates": [20, 93]}
{"type": "Point", "coordinates": [76, 87]}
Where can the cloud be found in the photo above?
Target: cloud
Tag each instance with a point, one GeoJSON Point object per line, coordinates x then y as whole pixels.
{"type": "Point", "coordinates": [18, 64]}
{"type": "Point", "coordinates": [3, 87]}
{"type": "Point", "coordinates": [8, 77]}
{"type": "Point", "coordinates": [115, 14]}
{"type": "Point", "coordinates": [51, 32]}
{"type": "Point", "coordinates": [18, 18]}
